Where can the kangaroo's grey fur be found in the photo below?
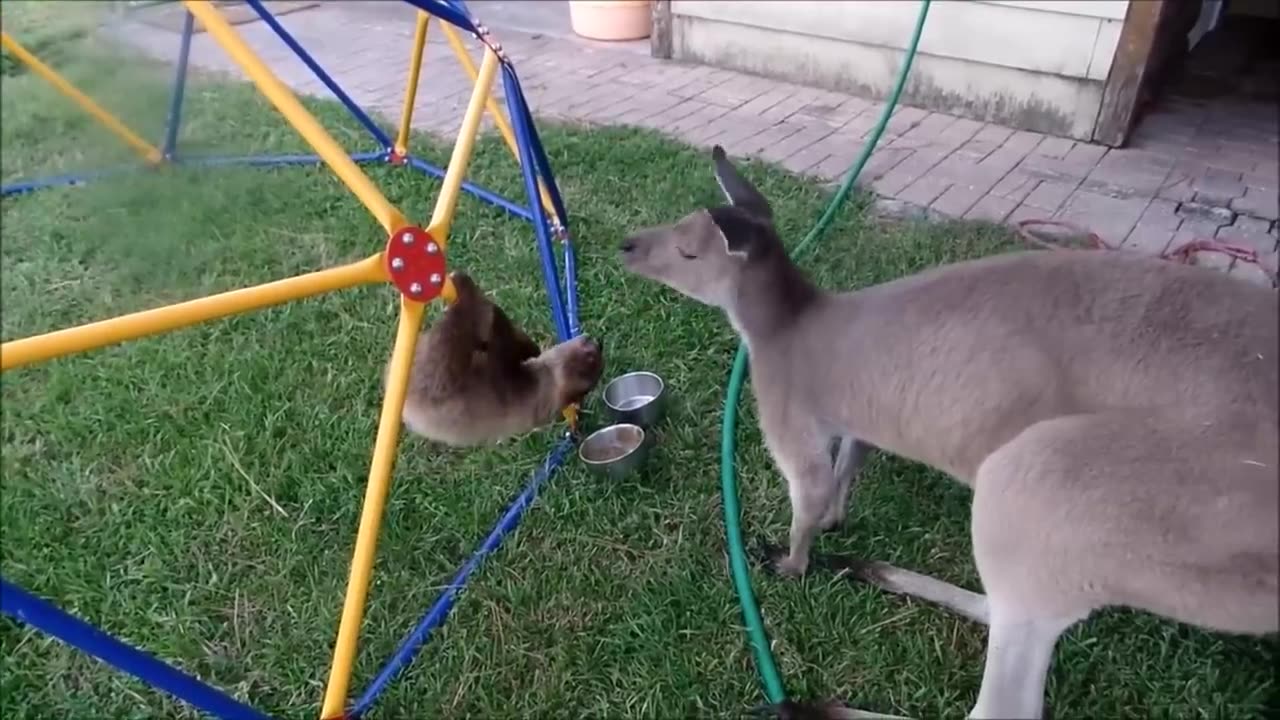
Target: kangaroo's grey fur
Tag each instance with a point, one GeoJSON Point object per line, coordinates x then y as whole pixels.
{"type": "Point", "coordinates": [1115, 415]}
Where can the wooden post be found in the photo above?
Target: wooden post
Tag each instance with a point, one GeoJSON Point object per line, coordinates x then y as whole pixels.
{"type": "Point", "coordinates": [660, 35]}
{"type": "Point", "coordinates": [1121, 92]}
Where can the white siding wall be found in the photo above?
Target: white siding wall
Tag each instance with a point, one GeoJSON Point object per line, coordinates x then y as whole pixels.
{"type": "Point", "coordinates": [1038, 64]}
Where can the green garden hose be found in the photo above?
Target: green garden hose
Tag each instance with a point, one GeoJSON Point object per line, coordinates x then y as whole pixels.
{"type": "Point", "coordinates": [765, 665]}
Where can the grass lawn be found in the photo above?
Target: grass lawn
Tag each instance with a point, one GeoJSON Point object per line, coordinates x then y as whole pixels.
{"type": "Point", "coordinates": [136, 478]}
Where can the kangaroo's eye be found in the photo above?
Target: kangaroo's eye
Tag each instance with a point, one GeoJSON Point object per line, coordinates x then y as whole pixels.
{"type": "Point", "coordinates": [685, 255]}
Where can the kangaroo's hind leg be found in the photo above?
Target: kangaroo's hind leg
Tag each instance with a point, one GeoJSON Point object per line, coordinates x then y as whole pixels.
{"type": "Point", "coordinates": [1162, 513]}
{"type": "Point", "coordinates": [1033, 567]}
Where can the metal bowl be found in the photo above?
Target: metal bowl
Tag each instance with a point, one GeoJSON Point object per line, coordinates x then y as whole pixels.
{"type": "Point", "coordinates": [615, 450]}
{"type": "Point", "coordinates": [637, 398]}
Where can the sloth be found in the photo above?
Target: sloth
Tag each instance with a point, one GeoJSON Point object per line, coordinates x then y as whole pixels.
{"type": "Point", "coordinates": [476, 378]}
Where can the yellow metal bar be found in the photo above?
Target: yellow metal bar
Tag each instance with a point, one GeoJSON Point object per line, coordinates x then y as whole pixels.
{"type": "Point", "coordinates": [375, 497]}
{"type": "Point", "coordinates": [447, 200]}
{"type": "Point", "coordinates": [94, 335]}
{"type": "Point", "coordinates": [86, 103]}
{"type": "Point", "coordinates": [411, 88]}
{"type": "Point", "coordinates": [499, 117]}
{"type": "Point", "coordinates": [304, 122]}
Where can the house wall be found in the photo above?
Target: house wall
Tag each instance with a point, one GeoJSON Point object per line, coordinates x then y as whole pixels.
{"type": "Point", "coordinates": [1033, 64]}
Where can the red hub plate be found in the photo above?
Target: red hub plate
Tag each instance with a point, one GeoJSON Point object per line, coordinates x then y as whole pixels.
{"type": "Point", "coordinates": [415, 263]}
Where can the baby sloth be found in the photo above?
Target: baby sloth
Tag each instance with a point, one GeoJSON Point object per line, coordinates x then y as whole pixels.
{"type": "Point", "coordinates": [476, 378]}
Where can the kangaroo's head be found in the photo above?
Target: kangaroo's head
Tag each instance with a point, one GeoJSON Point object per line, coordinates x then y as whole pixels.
{"type": "Point", "coordinates": [707, 253]}
{"type": "Point", "coordinates": [728, 256]}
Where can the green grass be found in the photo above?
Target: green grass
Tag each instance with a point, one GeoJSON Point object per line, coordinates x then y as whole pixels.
{"type": "Point", "coordinates": [49, 30]}
{"type": "Point", "coordinates": [136, 477]}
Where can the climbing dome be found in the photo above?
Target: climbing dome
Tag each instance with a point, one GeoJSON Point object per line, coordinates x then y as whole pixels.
{"type": "Point", "coordinates": [410, 257]}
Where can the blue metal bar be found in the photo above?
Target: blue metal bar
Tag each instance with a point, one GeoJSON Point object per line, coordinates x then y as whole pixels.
{"type": "Point", "coordinates": [179, 88]}
{"type": "Point", "coordinates": [271, 160]}
{"type": "Point", "coordinates": [461, 6]}
{"type": "Point", "coordinates": [540, 154]}
{"type": "Point", "coordinates": [571, 286]}
{"type": "Point", "coordinates": [26, 186]}
{"type": "Point", "coordinates": [557, 202]}
{"type": "Point", "coordinates": [27, 608]}
{"type": "Point", "coordinates": [446, 11]}
{"type": "Point", "coordinates": [544, 169]}
{"type": "Point", "coordinates": [519, 122]}
{"type": "Point", "coordinates": [72, 179]}
{"type": "Point", "coordinates": [439, 612]}
{"type": "Point", "coordinates": [355, 110]}
{"type": "Point", "coordinates": [484, 194]}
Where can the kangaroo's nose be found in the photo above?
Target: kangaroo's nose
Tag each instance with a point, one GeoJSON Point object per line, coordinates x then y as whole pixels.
{"type": "Point", "coordinates": [627, 245]}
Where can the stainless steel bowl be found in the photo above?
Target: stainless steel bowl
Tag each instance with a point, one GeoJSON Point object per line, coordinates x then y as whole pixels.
{"type": "Point", "coordinates": [615, 450]}
{"type": "Point", "coordinates": [637, 398]}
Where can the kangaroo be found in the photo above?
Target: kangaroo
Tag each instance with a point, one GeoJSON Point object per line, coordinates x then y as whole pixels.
{"type": "Point", "coordinates": [1115, 416]}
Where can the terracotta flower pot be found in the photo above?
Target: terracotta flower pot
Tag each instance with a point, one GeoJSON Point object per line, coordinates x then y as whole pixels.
{"type": "Point", "coordinates": [611, 19]}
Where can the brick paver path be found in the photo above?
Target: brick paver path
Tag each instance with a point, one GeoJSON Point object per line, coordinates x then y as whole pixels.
{"type": "Point", "coordinates": [1194, 170]}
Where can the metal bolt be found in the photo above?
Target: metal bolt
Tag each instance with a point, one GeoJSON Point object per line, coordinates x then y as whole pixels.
{"type": "Point", "coordinates": [432, 248]}
{"type": "Point", "coordinates": [436, 279]}
{"type": "Point", "coordinates": [407, 238]}
{"type": "Point", "coordinates": [397, 264]}
{"type": "Point", "coordinates": [415, 289]}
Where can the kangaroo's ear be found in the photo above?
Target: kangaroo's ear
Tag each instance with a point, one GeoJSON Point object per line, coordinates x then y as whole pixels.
{"type": "Point", "coordinates": [744, 236]}
{"type": "Point", "coordinates": [737, 189]}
